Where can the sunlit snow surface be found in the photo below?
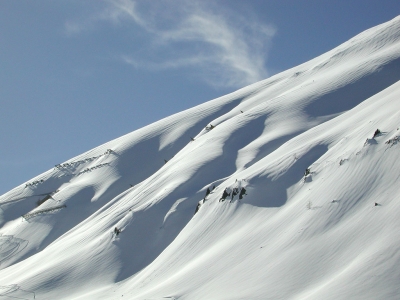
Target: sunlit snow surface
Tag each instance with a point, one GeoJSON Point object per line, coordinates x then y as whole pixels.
{"type": "Point", "coordinates": [332, 234]}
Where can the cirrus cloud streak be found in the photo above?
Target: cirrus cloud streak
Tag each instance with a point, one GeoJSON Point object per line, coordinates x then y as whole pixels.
{"type": "Point", "coordinates": [220, 46]}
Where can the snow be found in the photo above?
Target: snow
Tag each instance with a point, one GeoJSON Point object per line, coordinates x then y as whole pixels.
{"type": "Point", "coordinates": [332, 234]}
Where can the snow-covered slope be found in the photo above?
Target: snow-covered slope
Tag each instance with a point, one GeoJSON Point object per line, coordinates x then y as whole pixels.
{"type": "Point", "coordinates": [315, 215]}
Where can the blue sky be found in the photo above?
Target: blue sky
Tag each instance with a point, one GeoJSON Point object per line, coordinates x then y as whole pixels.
{"type": "Point", "coordinates": [76, 74]}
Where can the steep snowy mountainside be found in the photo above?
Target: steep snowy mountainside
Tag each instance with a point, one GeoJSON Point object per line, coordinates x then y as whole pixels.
{"type": "Point", "coordinates": [294, 193]}
{"type": "Point", "coordinates": [234, 250]}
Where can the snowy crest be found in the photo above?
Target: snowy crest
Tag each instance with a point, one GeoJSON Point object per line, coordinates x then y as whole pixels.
{"type": "Point", "coordinates": [285, 189]}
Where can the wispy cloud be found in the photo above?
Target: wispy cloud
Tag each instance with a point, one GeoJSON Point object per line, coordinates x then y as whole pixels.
{"type": "Point", "coordinates": [221, 46]}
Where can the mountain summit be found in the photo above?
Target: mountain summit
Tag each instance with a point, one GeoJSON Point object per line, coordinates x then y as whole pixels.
{"type": "Point", "coordinates": [285, 189]}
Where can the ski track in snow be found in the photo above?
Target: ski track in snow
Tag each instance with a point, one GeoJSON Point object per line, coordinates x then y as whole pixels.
{"type": "Point", "coordinates": [318, 217]}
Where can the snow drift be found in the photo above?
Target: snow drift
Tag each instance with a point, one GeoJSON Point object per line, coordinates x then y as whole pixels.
{"type": "Point", "coordinates": [284, 189]}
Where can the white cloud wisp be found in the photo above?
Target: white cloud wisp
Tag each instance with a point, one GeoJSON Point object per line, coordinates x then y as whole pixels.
{"type": "Point", "coordinates": [218, 45]}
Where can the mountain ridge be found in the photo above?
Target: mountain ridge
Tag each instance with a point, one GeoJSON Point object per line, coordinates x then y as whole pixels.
{"type": "Point", "coordinates": [295, 234]}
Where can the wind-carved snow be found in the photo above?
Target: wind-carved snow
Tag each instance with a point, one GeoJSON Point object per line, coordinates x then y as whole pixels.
{"type": "Point", "coordinates": [285, 189]}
